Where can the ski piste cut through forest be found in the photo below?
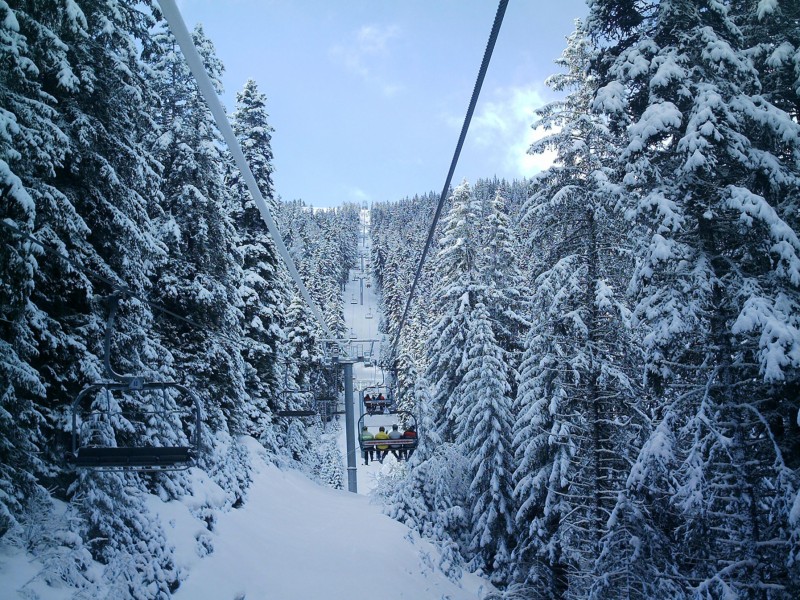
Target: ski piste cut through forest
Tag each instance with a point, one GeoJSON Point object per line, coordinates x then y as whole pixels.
{"type": "Point", "coordinates": [603, 359]}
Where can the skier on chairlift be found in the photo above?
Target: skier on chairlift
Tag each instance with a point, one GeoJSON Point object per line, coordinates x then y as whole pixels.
{"type": "Point", "coordinates": [369, 453]}
{"type": "Point", "coordinates": [383, 449]}
{"type": "Point", "coordinates": [395, 434]}
{"type": "Point", "coordinates": [409, 434]}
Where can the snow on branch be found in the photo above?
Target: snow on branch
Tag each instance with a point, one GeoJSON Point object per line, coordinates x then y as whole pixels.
{"type": "Point", "coordinates": [657, 119]}
{"type": "Point", "coordinates": [779, 343]}
{"type": "Point", "coordinates": [785, 241]}
{"type": "Point", "coordinates": [611, 98]}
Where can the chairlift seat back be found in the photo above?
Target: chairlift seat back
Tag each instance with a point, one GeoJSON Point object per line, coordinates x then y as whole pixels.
{"type": "Point", "coordinates": [297, 413]}
{"type": "Point", "coordinates": [146, 456]}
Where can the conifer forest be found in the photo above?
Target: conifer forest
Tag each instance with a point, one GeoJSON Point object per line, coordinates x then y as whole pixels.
{"type": "Point", "coordinates": [603, 359]}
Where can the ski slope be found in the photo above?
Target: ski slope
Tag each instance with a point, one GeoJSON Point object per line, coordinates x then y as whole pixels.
{"type": "Point", "coordinates": [291, 540]}
{"type": "Point", "coordinates": [296, 540]}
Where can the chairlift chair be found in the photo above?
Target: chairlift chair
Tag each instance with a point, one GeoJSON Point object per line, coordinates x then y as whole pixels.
{"type": "Point", "coordinates": [297, 413]}
{"type": "Point", "coordinates": [376, 406]}
{"type": "Point", "coordinates": [125, 408]}
{"type": "Point", "coordinates": [331, 352]}
{"type": "Point", "coordinates": [311, 411]}
{"type": "Point", "coordinates": [402, 447]}
{"type": "Point", "coordinates": [88, 449]}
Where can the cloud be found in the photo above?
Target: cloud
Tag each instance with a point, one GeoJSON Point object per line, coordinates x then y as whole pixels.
{"type": "Point", "coordinates": [374, 39]}
{"type": "Point", "coordinates": [365, 54]}
{"type": "Point", "coordinates": [358, 195]}
{"type": "Point", "coordinates": [502, 129]}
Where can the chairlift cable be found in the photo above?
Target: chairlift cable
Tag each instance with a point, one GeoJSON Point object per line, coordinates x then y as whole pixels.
{"type": "Point", "coordinates": [487, 55]}
{"type": "Point", "coordinates": [176, 24]}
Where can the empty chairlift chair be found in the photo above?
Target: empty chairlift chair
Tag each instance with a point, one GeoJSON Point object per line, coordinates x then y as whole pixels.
{"type": "Point", "coordinates": [106, 414]}
{"type": "Point", "coordinates": [128, 422]}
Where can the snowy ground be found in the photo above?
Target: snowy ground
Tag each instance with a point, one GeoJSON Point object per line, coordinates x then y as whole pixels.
{"type": "Point", "coordinates": [294, 539]}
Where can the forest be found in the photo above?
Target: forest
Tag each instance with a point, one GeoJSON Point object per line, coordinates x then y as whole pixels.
{"type": "Point", "coordinates": [603, 357]}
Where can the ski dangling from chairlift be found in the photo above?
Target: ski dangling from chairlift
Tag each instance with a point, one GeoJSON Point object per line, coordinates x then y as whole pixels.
{"type": "Point", "coordinates": [115, 421]}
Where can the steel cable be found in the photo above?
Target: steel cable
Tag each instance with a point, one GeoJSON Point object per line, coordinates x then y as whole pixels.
{"type": "Point", "coordinates": [487, 56]}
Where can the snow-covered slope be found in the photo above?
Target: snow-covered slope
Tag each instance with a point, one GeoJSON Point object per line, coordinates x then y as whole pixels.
{"type": "Point", "coordinates": [291, 540]}
{"type": "Point", "coordinates": [294, 539]}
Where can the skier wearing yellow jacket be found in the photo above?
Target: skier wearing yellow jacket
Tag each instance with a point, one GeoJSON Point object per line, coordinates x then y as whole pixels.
{"type": "Point", "coordinates": [383, 450]}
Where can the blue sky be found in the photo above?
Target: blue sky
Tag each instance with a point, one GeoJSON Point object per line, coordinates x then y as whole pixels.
{"type": "Point", "coordinates": [367, 97]}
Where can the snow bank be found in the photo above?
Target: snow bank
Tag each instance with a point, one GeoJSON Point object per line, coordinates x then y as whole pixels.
{"type": "Point", "coordinates": [294, 539]}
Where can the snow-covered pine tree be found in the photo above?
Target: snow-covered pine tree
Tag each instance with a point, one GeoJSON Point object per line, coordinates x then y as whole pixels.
{"type": "Point", "coordinates": [302, 360]}
{"type": "Point", "coordinates": [265, 289]}
{"type": "Point", "coordinates": [330, 470]}
{"type": "Point", "coordinates": [430, 498]}
{"type": "Point", "coordinates": [202, 274]}
{"type": "Point", "coordinates": [636, 557]}
{"type": "Point", "coordinates": [398, 235]}
{"type": "Point", "coordinates": [329, 284]}
{"type": "Point", "coordinates": [390, 285]}
{"type": "Point", "coordinates": [770, 31]}
{"type": "Point", "coordinates": [91, 181]}
{"type": "Point", "coordinates": [323, 244]}
{"type": "Point", "coordinates": [302, 333]}
{"type": "Point", "coordinates": [772, 36]}
{"type": "Point", "coordinates": [452, 301]}
{"type": "Point", "coordinates": [469, 394]}
{"type": "Point", "coordinates": [28, 145]}
{"type": "Point", "coordinates": [711, 172]}
{"type": "Point", "coordinates": [501, 278]}
{"type": "Point", "coordinates": [575, 394]}
{"type": "Point", "coordinates": [89, 177]}
{"type": "Point", "coordinates": [484, 432]}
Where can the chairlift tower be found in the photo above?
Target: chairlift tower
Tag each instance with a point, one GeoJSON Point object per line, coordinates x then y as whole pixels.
{"type": "Point", "coordinates": [339, 352]}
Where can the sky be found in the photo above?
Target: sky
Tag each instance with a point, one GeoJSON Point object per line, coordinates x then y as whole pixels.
{"type": "Point", "coordinates": [367, 97]}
